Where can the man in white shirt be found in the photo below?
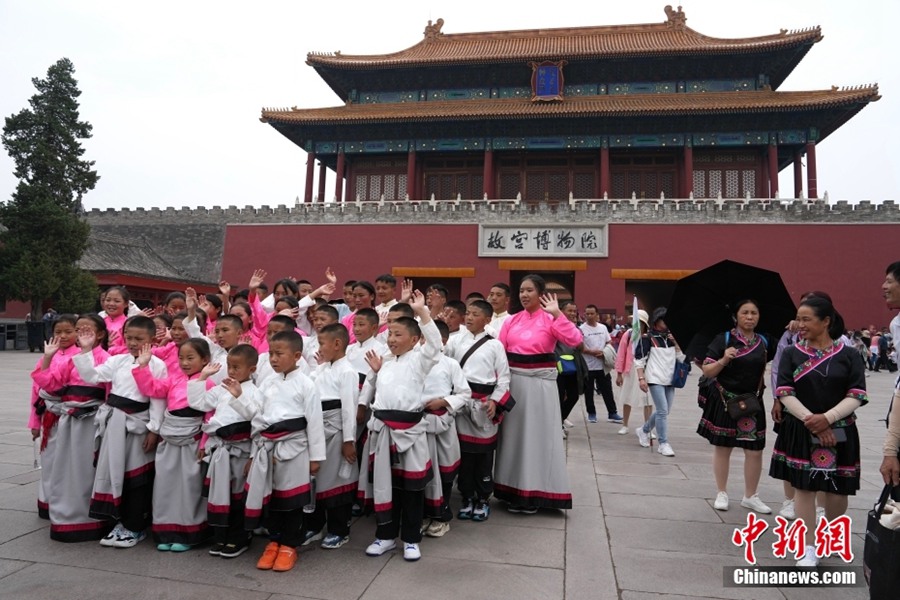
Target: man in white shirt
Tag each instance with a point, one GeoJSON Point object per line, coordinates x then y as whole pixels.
{"type": "Point", "coordinates": [385, 292]}
{"type": "Point", "coordinates": [498, 298]}
{"type": "Point", "coordinates": [596, 337]}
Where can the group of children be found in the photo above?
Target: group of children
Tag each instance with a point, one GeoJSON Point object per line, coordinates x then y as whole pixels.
{"type": "Point", "coordinates": [221, 416]}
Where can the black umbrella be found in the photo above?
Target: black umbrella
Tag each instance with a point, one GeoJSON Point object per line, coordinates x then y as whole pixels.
{"type": "Point", "coordinates": [703, 304]}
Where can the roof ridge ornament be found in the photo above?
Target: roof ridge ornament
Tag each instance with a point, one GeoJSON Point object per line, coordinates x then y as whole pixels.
{"type": "Point", "coordinates": [433, 32]}
{"type": "Point", "coordinates": [676, 19]}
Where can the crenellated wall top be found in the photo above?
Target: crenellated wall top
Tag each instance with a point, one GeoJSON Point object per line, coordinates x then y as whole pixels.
{"type": "Point", "coordinates": [480, 211]}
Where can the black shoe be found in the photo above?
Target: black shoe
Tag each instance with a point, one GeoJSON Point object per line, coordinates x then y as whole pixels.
{"type": "Point", "coordinates": [216, 549]}
{"type": "Point", "coordinates": [234, 550]}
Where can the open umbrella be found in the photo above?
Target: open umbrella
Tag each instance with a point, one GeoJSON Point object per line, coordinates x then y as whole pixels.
{"type": "Point", "coordinates": [703, 304]}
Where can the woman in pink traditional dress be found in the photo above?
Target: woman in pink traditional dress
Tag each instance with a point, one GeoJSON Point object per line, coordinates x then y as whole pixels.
{"type": "Point", "coordinates": [530, 471]}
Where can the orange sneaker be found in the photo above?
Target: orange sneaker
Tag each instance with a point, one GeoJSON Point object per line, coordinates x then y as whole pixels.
{"type": "Point", "coordinates": [287, 558]}
{"type": "Point", "coordinates": [267, 560]}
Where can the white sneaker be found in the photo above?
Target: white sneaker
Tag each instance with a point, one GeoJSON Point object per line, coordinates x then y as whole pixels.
{"type": "Point", "coordinates": [721, 502]}
{"type": "Point", "coordinates": [411, 552]}
{"type": "Point", "coordinates": [643, 438]}
{"type": "Point", "coordinates": [787, 510]}
{"type": "Point", "coordinates": [665, 449]}
{"type": "Point", "coordinates": [110, 540]}
{"type": "Point", "coordinates": [809, 560]}
{"type": "Point", "coordinates": [568, 424]}
{"type": "Point", "coordinates": [623, 431]}
{"type": "Point", "coordinates": [129, 539]}
{"type": "Point", "coordinates": [755, 504]}
{"type": "Point", "coordinates": [379, 547]}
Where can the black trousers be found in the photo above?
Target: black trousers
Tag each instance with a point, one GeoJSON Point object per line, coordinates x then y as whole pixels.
{"type": "Point", "coordinates": [284, 526]}
{"type": "Point", "coordinates": [407, 509]}
{"type": "Point", "coordinates": [337, 518]}
{"type": "Point", "coordinates": [476, 475]}
{"type": "Point", "coordinates": [234, 532]}
{"type": "Point", "coordinates": [567, 386]}
{"type": "Point", "coordinates": [136, 508]}
{"type": "Point", "coordinates": [602, 383]}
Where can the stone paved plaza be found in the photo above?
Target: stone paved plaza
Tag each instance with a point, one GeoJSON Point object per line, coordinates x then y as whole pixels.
{"type": "Point", "coordinates": [642, 528]}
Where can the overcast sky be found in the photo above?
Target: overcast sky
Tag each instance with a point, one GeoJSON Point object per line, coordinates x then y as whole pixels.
{"type": "Point", "coordinates": [174, 89]}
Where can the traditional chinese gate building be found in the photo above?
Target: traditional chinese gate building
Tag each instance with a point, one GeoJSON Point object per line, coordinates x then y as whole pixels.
{"type": "Point", "coordinates": [615, 112]}
{"type": "Point", "coordinates": [565, 148]}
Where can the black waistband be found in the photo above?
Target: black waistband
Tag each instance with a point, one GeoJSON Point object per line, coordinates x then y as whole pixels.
{"type": "Point", "coordinates": [330, 404]}
{"type": "Point", "coordinates": [400, 416]}
{"type": "Point", "coordinates": [127, 404]}
{"type": "Point", "coordinates": [187, 411]}
{"type": "Point", "coordinates": [530, 359]}
{"type": "Point", "coordinates": [298, 424]}
{"type": "Point", "coordinates": [229, 431]}
{"type": "Point", "coordinates": [83, 391]}
{"type": "Point", "coordinates": [482, 388]}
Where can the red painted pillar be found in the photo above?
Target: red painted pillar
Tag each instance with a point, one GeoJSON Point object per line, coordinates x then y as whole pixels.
{"type": "Point", "coordinates": [773, 170]}
{"type": "Point", "coordinates": [310, 171]}
{"type": "Point", "coordinates": [323, 173]}
{"type": "Point", "coordinates": [604, 171]}
{"type": "Point", "coordinates": [798, 174]}
{"type": "Point", "coordinates": [488, 177]}
{"type": "Point", "coordinates": [688, 186]}
{"type": "Point", "coordinates": [411, 173]}
{"type": "Point", "coordinates": [812, 184]}
{"type": "Point", "coordinates": [339, 174]}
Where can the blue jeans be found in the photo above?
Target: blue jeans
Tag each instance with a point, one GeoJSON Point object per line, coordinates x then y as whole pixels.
{"type": "Point", "coordinates": [662, 396]}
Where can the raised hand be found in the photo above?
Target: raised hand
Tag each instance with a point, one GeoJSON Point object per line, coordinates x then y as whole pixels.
{"type": "Point", "coordinates": [87, 338]}
{"type": "Point", "coordinates": [51, 347]}
{"type": "Point", "coordinates": [550, 304]}
{"type": "Point", "coordinates": [146, 354]}
{"type": "Point", "coordinates": [225, 288]}
{"type": "Point", "coordinates": [323, 290]}
{"type": "Point", "coordinates": [233, 386]}
{"type": "Point", "coordinates": [190, 299]}
{"type": "Point", "coordinates": [209, 370]}
{"type": "Point", "coordinates": [445, 315]}
{"type": "Point", "coordinates": [374, 360]}
{"type": "Point", "coordinates": [293, 313]}
{"type": "Point", "coordinates": [256, 279]}
{"type": "Point", "coordinates": [330, 276]}
{"type": "Point", "coordinates": [245, 339]}
{"type": "Point", "coordinates": [148, 312]}
{"type": "Point", "coordinates": [406, 290]}
{"type": "Point", "coordinates": [417, 301]}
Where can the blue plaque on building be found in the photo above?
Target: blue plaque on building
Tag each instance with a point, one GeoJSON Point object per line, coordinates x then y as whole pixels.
{"type": "Point", "coordinates": [547, 81]}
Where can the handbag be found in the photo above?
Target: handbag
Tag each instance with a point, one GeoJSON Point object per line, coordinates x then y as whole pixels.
{"type": "Point", "coordinates": [743, 405]}
{"type": "Point", "coordinates": [679, 377]}
{"type": "Point", "coordinates": [881, 553]}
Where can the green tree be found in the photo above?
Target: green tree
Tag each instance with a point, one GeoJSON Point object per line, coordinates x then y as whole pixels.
{"type": "Point", "coordinates": [43, 235]}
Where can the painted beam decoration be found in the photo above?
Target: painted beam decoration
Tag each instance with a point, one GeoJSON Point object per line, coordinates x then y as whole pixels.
{"type": "Point", "coordinates": [542, 241]}
{"type": "Point", "coordinates": [547, 81]}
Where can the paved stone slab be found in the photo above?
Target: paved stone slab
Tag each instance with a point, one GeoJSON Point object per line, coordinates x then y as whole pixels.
{"type": "Point", "coordinates": [589, 570]}
{"type": "Point", "coordinates": [690, 575]}
{"type": "Point", "coordinates": [432, 577]}
{"type": "Point", "coordinates": [658, 507]}
{"type": "Point", "coordinates": [40, 582]}
{"type": "Point", "coordinates": [8, 567]}
{"type": "Point", "coordinates": [493, 542]}
{"type": "Point", "coordinates": [637, 469]}
{"type": "Point", "coordinates": [13, 525]}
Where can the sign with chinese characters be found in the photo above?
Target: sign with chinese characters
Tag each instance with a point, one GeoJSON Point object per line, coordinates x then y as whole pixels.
{"type": "Point", "coordinates": [547, 81]}
{"type": "Point", "coordinates": [544, 241]}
